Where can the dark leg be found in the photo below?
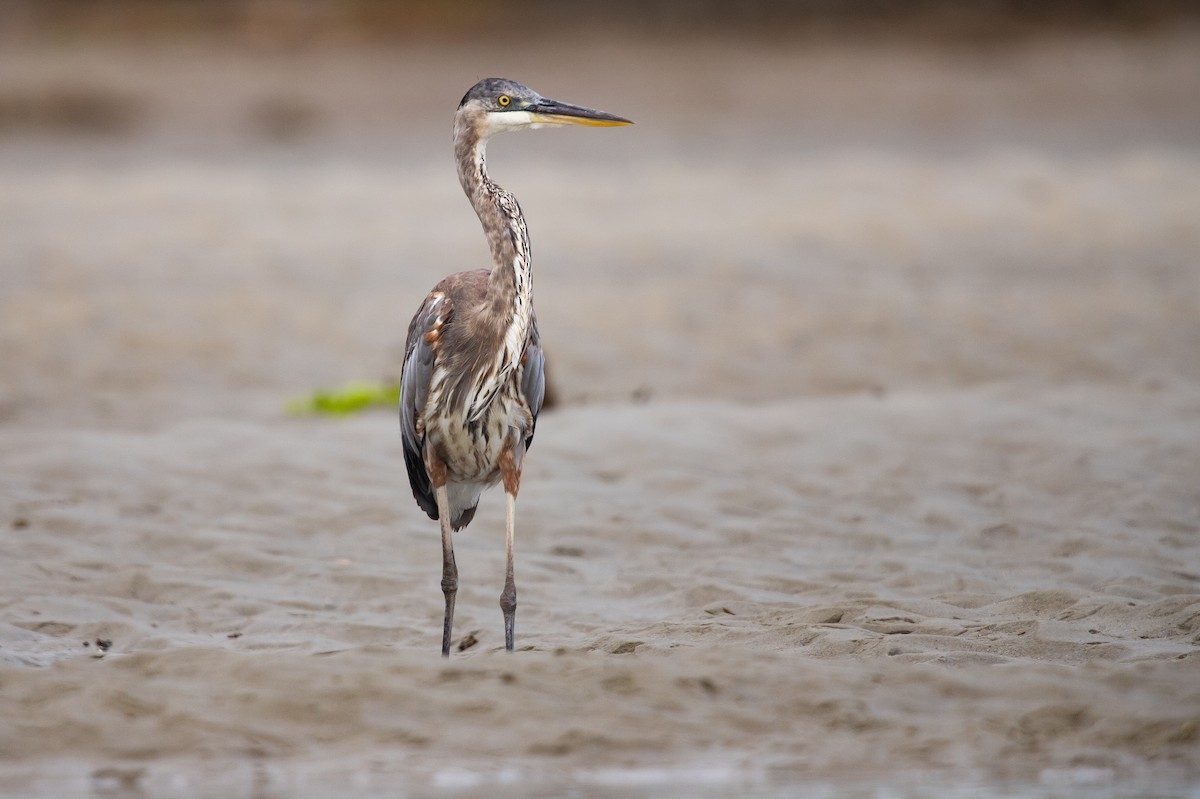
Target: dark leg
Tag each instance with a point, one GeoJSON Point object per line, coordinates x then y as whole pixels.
{"type": "Point", "coordinates": [449, 569]}
{"type": "Point", "coordinates": [508, 598]}
{"type": "Point", "coordinates": [510, 472]}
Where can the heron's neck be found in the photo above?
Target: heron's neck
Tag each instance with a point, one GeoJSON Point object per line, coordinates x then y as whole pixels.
{"type": "Point", "coordinates": [511, 284]}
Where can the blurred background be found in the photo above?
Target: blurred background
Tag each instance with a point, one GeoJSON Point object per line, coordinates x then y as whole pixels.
{"type": "Point", "coordinates": [209, 207]}
{"type": "Point", "coordinates": [876, 342]}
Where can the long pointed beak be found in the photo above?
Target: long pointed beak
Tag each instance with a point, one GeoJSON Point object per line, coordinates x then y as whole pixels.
{"type": "Point", "coordinates": [552, 112]}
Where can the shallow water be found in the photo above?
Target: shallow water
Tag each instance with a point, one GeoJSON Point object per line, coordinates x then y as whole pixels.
{"type": "Point", "coordinates": [378, 779]}
{"type": "Point", "coordinates": [382, 776]}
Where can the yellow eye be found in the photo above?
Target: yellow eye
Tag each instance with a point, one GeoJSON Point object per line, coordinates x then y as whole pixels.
{"type": "Point", "coordinates": [504, 100]}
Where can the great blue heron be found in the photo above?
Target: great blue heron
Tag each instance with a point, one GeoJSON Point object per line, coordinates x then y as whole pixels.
{"type": "Point", "coordinates": [473, 376]}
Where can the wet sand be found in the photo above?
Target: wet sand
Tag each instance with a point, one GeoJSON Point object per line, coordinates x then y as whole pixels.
{"type": "Point", "coordinates": [876, 458]}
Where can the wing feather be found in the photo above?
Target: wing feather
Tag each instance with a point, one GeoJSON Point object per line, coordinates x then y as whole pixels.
{"type": "Point", "coordinates": [415, 379]}
{"type": "Point", "coordinates": [533, 377]}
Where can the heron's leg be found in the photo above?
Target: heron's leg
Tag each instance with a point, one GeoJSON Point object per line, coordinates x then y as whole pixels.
{"type": "Point", "coordinates": [508, 598]}
{"type": "Point", "coordinates": [510, 472]}
{"type": "Point", "coordinates": [449, 569]}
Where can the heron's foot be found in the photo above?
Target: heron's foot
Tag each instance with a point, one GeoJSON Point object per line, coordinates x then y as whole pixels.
{"type": "Point", "coordinates": [450, 589]}
{"type": "Point", "coordinates": [508, 605]}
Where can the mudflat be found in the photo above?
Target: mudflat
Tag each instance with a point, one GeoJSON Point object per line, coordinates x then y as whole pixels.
{"type": "Point", "coordinates": [876, 450]}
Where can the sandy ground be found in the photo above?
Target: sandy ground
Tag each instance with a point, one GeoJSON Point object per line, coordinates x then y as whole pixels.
{"type": "Point", "coordinates": [878, 456]}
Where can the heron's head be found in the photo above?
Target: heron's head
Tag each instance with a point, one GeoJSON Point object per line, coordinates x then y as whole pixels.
{"type": "Point", "coordinates": [496, 105]}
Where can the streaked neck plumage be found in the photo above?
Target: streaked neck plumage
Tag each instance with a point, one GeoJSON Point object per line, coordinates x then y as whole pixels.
{"type": "Point", "coordinates": [511, 284]}
{"type": "Point", "coordinates": [508, 309]}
